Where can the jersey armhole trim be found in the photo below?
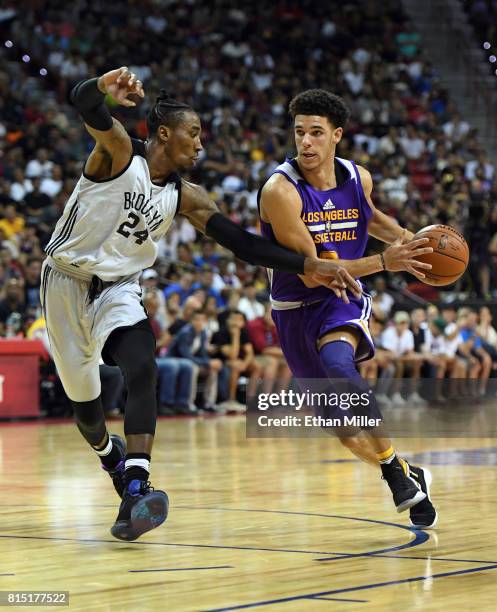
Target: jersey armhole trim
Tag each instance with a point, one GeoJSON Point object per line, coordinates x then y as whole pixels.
{"type": "Point", "coordinates": [111, 178]}
{"type": "Point", "coordinates": [178, 202]}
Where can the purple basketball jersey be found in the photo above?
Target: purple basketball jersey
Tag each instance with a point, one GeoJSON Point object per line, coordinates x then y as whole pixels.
{"type": "Point", "coordinates": [337, 220]}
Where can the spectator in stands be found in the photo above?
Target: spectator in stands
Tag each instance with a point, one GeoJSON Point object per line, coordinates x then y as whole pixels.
{"type": "Point", "coordinates": [190, 306]}
{"type": "Point", "coordinates": [211, 310]}
{"type": "Point", "coordinates": [227, 272]}
{"type": "Point", "coordinates": [399, 340]}
{"type": "Point", "coordinates": [472, 346]}
{"type": "Point", "coordinates": [14, 300]}
{"type": "Point", "coordinates": [206, 284]}
{"type": "Point", "coordinates": [149, 280]}
{"type": "Point", "coordinates": [37, 202]}
{"type": "Point", "coordinates": [379, 370]}
{"type": "Point", "coordinates": [249, 304]}
{"type": "Point", "coordinates": [382, 300]}
{"type": "Point", "coordinates": [268, 354]}
{"type": "Point", "coordinates": [183, 288]}
{"type": "Point", "coordinates": [176, 377]}
{"type": "Point", "coordinates": [12, 223]}
{"type": "Point", "coordinates": [208, 256]}
{"type": "Point", "coordinates": [233, 346]}
{"type": "Point", "coordinates": [191, 343]}
{"type": "Point", "coordinates": [487, 333]}
{"type": "Point", "coordinates": [32, 275]}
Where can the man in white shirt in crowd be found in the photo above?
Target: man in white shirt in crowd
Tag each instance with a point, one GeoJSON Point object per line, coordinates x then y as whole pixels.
{"type": "Point", "coordinates": [249, 304]}
{"type": "Point", "coordinates": [399, 339]}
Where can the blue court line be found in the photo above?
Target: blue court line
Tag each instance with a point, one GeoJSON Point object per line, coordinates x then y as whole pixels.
{"type": "Point", "coordinates": [172, 544]}
{"type": "Point", "coordinates": [363, 587]}
{"type": "Point", "coordinates": [433, 558]}
{"type": "Point", "coordinates": [420, 537]}
{"type": "Point", "coordinates": [341, 599]}
{"type": "Point", "coordinates": [182, 569]}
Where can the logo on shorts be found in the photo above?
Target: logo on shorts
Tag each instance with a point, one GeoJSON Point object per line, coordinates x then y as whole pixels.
{"type": "Point", "coordinates": [328, 205]}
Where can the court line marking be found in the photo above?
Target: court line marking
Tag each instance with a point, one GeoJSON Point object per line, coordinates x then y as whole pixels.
{"type": "Point", "coordinates": [182, 569]}
{"type": "Point", "coordinates": [341, 599]}
{"type": "Point", "coordinates": [171, 544]}
{"type": "Point", "coordinates": [433, 559]}
{"type": "Point", "coordinates": [420, 536]}
{"type": "Point", "coordinates": [363, 587]}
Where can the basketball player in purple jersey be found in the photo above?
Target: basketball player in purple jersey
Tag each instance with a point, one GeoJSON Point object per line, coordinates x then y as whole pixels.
{"type": "Point", "coordinates": [320, 203]}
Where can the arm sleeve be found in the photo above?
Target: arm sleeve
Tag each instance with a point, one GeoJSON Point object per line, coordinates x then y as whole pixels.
{"type": "Point", "coordinates": [89, 101]}
{"type": "Point", "coordinates": [251, 248]}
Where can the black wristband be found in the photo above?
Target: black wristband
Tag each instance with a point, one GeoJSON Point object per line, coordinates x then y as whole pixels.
{"type": "Point", "coordinates": [251, 248]}
{"type": "Point", "coordinates": [89, 100]}
{"type": "Point", "coordinates": [382, 258]}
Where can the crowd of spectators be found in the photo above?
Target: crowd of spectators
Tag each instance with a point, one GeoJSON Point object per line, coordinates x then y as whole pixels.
{"type": "Point", "coordinates": [238, 66]}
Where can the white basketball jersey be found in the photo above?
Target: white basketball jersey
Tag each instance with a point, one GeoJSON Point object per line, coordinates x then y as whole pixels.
{"type": "Point", "coordinates": [110, 228]}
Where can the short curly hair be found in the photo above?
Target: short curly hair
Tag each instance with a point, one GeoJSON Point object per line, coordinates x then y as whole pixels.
{"type": "Point", "coordinates": [321, 103]}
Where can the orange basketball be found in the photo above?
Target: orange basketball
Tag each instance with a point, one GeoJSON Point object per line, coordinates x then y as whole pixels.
{"type": "Point", "coordinates": [450, 254]}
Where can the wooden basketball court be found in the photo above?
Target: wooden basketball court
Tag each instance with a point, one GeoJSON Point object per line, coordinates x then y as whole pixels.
{"type": "Point", "coordinates": [291, 524]}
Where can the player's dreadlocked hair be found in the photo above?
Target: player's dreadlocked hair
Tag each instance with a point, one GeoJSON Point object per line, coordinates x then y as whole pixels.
{"type": "Point", "coordinates": [166, 111]}
{"type": "Point", "coordinates": [321, 103]}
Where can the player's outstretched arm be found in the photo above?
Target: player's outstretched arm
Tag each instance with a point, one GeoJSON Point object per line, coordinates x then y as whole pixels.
{"type": "Point", "coordinates": [113, 145]}
{"type": "Point", "coordinates": [398, 257]}
{"type": "Point", "coordinates": [205, 216]}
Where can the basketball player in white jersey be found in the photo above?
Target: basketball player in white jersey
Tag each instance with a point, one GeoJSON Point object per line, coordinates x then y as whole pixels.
{"type": "Point", "coordinates": [122, 204]}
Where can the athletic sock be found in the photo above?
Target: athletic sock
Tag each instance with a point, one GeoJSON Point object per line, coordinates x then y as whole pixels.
{"type": "Point", "coordinates": [109, 454]}
{"type": "Point", "coordinates": [137, 467]}
{"type": "Point", "coordinates": [388, 460]}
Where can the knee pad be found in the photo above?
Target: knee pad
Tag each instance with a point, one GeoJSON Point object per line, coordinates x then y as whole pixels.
{"type": "Point", "coordinates": [89, 417]}
{"type": "Point", "coordinates": [338, 359]}
{"type": "Point", "coordinates": [141, 369]}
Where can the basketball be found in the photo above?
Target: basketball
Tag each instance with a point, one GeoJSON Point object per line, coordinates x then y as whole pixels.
{"type": "Point", "coordinates": [450, 254]}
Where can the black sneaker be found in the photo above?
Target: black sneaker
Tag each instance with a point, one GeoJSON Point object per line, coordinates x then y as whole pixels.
{"type": "Point", "coordinates": [422, 515]}
{"type": "Point", "coordinates": [117, 473]}
{"type": "Point", "coordinates": [141, 510]}
{"type": "Point", "coordinates": [405, 491]}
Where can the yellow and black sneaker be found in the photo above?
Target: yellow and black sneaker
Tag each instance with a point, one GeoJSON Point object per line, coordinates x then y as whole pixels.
{"type": "Point", "coordinates": [406, 492]}
{"type": "Point", "coordinates": [423, 515]}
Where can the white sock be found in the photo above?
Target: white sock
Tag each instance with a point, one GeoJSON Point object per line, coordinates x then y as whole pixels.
{"type": "Point", "coordinates": [106, 450]}
{"type": "Point", "coordinates": [141, 463]}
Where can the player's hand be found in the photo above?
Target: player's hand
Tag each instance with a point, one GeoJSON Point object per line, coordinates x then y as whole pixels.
{"type": "Point", "coordinates": [401, 256]}
{"type": "Point", "coordinates": [335, 277]}
{"type": "Point", "coordinates": [120, 84]}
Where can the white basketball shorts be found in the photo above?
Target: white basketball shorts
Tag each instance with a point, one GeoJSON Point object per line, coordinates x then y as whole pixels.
{"type": "Point", "coordinates": [77, 331]}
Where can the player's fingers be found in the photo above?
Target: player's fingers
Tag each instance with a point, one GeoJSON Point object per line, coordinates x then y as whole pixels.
{"type": "Point", "coordinates": [418, 252]}
{"type": "Point", "coordinates": [139, 89]}
{"type": "Point", "coordinates": [132, 80]}
{"type": "Point", "coordinates": [413, 244]}
{"type": "Point", "coordinates": [349, 281]}
{"type": "Point", "coordinates": [344, 296]}
{"type": "Point", "coordinates": [419, 264]}
{"type": "Point", "coordinates": [414, 272]}
{"type": "Point", "coordinates": [126, 102]}
{"type": "Point", "coordinates": [123, 71]}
